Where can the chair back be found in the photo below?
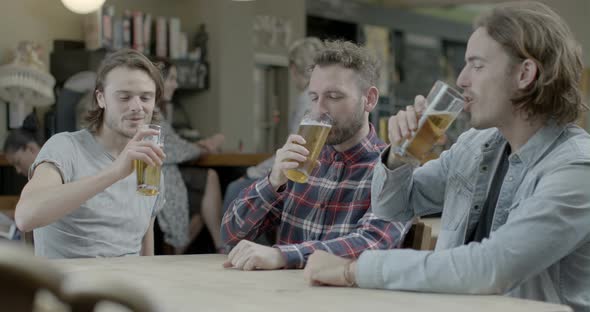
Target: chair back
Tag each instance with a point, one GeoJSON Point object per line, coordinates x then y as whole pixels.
{"type": "Point", "coordinates": [419, 237]}
{"type": "Point", "coordinates": [23, 276]}
{"type": "Point", "coordinates": [84, 294]}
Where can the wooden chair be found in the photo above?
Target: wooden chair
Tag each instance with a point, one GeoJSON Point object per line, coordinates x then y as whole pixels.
{"type": "Point", "coordinates": [23, 277]}
{"type": "Point", "coordinates": [83, 294]}
{"type": "Point", "coordinates": [8, 203]}
{"type": "Point", "coordinates": [29, 283]}
{"type": "Point", "coordinates": [419, 237]}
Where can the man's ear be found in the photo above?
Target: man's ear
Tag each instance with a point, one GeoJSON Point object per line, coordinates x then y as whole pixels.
{"type": "Point", "coordinates": [99, 98]}
{"type": "Point", "coordinates": [372, 97]}
{"type": "Point", "coordinates": [527, 74]}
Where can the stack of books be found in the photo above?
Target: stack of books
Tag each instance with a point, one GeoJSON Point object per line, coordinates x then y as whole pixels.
{"type": "Point", "coordinates": [160, 36]}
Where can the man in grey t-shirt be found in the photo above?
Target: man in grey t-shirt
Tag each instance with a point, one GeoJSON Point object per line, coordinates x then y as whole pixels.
{"type": "Point", "coordinates": [81, 199]}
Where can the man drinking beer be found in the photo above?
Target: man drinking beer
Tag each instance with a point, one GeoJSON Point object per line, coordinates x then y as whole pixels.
{"type": "Point", "coordinates": [81, 199]}
{"type": "Point", "coordinates": [330, 209]}
{"type": "Point", "coordinates": [514, 191]}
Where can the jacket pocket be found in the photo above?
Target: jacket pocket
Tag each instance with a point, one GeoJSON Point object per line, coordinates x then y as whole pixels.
{"type": "Point", "coordinates": [458, 197]}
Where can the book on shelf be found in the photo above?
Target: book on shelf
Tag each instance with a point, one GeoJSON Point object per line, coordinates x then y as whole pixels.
{"type": "Point", "coordinates": [127, 25]}
{"type": "Point", "coordinates": [182, 45]}
{"type": "Point", "coordinates": [161, 37]}
{"type": "Point", "coordinates": [147, 33]}
{"type": "Point", "coordinates": [108, 15]}
{"type": "Point", "coordinates": [137, 31]}
{"type": "Point", "coordinates": [92, 24]}
{"type": "Point", "coordinates": [174, 37]}
{"type": "Point", "coordinates": [118, 33]}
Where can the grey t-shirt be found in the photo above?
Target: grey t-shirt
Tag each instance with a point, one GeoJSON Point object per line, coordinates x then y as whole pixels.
{"type": "Point", "coordinates": [110, 224]}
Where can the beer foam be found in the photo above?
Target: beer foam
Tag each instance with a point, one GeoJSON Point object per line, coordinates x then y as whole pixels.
{"type": "Point", "coordinates": [314, 123]}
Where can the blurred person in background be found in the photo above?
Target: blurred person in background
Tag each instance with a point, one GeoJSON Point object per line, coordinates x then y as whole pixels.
{"type": "Point", "coordinates": [301, 55]}
{"type": "Point", "coordinates": [21, 148]}
{"type": "Point", "coordinates": [193, 195]}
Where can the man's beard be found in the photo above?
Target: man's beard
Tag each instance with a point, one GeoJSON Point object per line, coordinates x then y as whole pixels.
{"type": "Point", "coordinates": [118, 125]}
{"type": "Point", "coordinates": [341, 133]}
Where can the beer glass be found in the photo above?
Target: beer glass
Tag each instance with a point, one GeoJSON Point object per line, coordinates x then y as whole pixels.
{"type": "Point", "coordinates": [444, 105]}
{"type": "Point", "coordinates": [148, 177]}
{"type": "Point", "coordinates": [314, 128]}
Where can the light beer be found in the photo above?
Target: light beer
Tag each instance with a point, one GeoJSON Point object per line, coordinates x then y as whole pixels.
{"type": "Point", "coordinates": [315, 134]}
{"type": "Point", "coordinates": [432, 128]}
{"type": "Point", "coordinates": [148, 178]}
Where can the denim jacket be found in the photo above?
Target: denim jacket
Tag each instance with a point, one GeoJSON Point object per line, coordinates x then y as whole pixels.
{"type": "Point", "coordinates": [539, 245]}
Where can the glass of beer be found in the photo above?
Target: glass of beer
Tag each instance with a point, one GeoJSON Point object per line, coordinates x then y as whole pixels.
{"type": "Point", "coordinates": [314, 128]}
{"type": "Point", "coordinates": [148, 177]}
{"type": "Point", "coordinates": [444, 105]}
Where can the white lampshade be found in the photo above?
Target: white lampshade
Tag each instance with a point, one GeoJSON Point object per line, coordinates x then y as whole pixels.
{"type": "Point", "coordinates": [83, 6]}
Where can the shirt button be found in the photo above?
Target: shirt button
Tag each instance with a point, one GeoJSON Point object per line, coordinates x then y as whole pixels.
{"type": "Point", "coordinates": [484, 168]}
{"type": "Point", "coordinates": [476, 207]}
{"type": "Point", "coordinates": [338, 157]}
{"type": "Point", "coordinates": [509, 178]}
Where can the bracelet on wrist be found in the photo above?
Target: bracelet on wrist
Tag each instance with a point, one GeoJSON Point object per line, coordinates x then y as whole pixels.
{"type": "Point", "coordinates": [348, 276]}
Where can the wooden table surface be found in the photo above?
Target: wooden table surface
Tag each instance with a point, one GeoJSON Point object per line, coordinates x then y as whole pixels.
{"type": "Point", "coordinates": [213, 160]}
{"type": "Point", "coordinates": [199, 283]}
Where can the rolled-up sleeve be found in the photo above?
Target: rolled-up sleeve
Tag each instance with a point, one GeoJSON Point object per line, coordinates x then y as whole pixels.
{"type": "Point", "coordinates": [257, 209]}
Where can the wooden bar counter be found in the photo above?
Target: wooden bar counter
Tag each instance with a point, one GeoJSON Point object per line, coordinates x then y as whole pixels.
{"type": "Point", "coordinates": [213, 160]}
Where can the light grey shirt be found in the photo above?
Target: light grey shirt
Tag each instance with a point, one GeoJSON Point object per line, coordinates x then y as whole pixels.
{"type": "Point", "coordinates": [539, 245]}
{"type": "Point", "coordinates": [110, 224]}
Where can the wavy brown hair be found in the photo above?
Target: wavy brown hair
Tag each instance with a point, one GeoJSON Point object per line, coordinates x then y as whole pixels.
{"type": "Point", "coordinates": [128, 58]}
{"type": "Point", "coordinates": [349, 55]}
{"type": "Point", "coordinates": [531, 30]}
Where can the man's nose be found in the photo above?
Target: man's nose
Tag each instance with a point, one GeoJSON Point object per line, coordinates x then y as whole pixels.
{"type": "Point", "coordinates": [135, 104]}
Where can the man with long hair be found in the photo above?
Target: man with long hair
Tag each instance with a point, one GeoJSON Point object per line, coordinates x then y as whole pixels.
{"type": "Point", "coordinates": [80, 200]}
{"type": "Point", "coordinates": [513, 191]}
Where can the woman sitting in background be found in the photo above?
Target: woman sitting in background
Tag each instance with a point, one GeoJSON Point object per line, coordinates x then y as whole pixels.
{"type": "Point", "coordinates": [193, 195]}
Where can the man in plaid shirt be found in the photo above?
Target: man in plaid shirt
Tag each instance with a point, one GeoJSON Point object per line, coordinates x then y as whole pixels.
{"type": "Point", "coordinates": [331, 211]}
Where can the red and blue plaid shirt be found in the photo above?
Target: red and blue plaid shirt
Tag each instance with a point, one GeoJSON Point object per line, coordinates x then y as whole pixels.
{"type": "Point", "coordinates": [330, 212]}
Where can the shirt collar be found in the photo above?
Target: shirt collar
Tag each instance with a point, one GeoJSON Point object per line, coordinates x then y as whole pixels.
{"type": "Point", "coordinates": [369, 144]}
{"type": "Point", "coordinates": [535, 147]}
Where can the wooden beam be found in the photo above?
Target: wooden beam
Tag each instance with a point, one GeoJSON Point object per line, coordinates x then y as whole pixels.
{"type": "Point", "coordinates": [428, 3]}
